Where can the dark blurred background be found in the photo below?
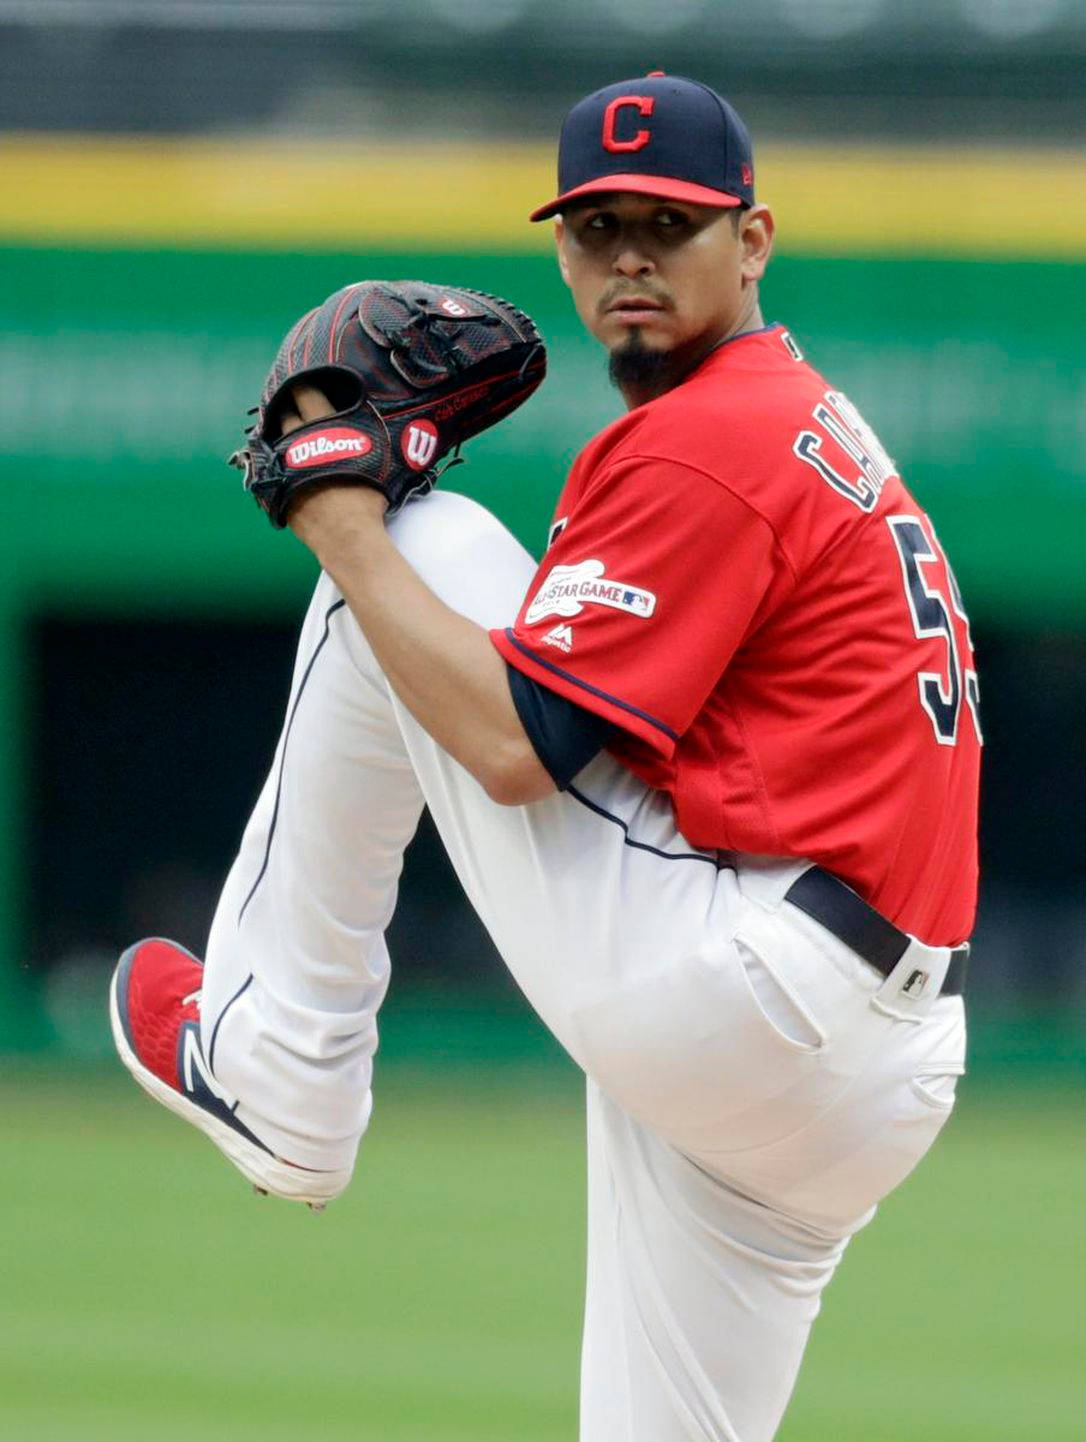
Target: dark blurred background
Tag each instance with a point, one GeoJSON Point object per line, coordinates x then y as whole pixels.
{"type": "Point", "coordinates": [936, 70]}
{"type": "Point", "coordinates": [180, 177]}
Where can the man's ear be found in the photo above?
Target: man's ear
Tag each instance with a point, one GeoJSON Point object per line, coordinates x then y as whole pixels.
{"type": "Point", "coordinates": [560, 243]}
{"type": "Point", "coordinates": [756, 233]}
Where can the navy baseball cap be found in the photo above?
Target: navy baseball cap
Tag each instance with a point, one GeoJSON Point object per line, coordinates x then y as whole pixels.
{"type": "Point", "coordinates": [659, 135]}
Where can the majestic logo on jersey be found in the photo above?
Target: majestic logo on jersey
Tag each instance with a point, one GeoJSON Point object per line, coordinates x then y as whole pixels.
{"type": "Point", "coordinates": [323, 446]}
{"type": "Point", "coordinates": [569, 589]}
{"type": "Point", "coordinates": [419, 444]}
{"type": "Point", "coordinates": [560, 636]}
{"type": "Point", "coordinates": [851, 439]}
{"type": "Point", "coordinates": [644, 105]}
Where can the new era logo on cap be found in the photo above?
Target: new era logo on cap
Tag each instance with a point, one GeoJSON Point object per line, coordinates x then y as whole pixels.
{"type": "Point", "coordinates": [661, 135]}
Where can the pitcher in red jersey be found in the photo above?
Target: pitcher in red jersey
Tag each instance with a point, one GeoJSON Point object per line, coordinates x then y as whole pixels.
{"type": "Point", "coordinates": [707, 771]}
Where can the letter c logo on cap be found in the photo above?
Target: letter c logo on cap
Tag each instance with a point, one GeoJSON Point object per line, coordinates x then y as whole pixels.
{"type": "Point", "coordinates": [644, 105]}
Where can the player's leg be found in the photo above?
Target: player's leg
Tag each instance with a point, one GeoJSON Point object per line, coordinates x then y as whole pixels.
{"type": "Point", "coordinates": [296, 958]}
{"type": "Point", "coordinates": [699, 1301]}
{"type": "Point", "coordinates": [705, 1272]}
{"type": "Point", "coordinates": [269, 1046]}
{"type": "Point", "coordinates": [296, 965]}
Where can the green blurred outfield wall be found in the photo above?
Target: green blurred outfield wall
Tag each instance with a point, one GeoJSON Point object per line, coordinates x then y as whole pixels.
{"type": "Point", "coordinates": [124, 376]}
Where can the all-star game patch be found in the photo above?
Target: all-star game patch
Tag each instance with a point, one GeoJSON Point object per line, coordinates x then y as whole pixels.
{"type": "Point", "coordinates": [567, 590]}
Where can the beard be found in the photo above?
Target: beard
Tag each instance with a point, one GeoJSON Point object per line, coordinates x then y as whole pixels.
{"type": "Point", "coordinates": [642, 374]}
{"type": "Point", "coordinates": [634, 367]}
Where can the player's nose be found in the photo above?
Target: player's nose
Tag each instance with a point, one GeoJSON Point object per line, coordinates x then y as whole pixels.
{"type": "Point", "coordinates": [632, 260]}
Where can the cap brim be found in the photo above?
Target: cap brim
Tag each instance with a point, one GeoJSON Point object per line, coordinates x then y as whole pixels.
{"type": "Point", "coordinates": [659, 185]}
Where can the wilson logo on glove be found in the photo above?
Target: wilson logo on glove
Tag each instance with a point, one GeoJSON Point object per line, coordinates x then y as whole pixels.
{"type": "Point", "coordinates": [324, 446]}
{"type": "Point", "coordinates": [419, 444]}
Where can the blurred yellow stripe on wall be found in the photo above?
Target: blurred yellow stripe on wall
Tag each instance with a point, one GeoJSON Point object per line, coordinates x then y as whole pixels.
{"type": "Point", "coordinates": [143, 190]}
{"type": "Point", "coordinates": [150, 191]}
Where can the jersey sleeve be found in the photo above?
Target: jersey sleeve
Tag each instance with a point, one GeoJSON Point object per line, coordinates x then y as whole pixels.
{"type": "Point", "coordinates": [644, 596]}
{"type": "Point", "coordinates": [564, 735]}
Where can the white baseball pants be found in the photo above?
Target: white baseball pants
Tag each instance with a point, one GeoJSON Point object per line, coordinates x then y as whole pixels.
{"type": "Point", "coordinates": [754, 1087]}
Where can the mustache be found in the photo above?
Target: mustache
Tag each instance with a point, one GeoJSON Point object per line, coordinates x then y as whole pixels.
{"type": "Point", "coordinates": [621, 295]}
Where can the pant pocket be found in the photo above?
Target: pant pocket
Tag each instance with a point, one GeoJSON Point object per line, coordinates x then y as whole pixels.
{"type": "Point", "coordinates": [935, 1085]}
{"type": "Point", "coordinates": [694, 1054]}
{"type": "Point", "coordinates": [785, 1014]}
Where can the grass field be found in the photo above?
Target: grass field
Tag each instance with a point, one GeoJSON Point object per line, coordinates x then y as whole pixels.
{"type": "Point", "coordinates": [144, 1293]}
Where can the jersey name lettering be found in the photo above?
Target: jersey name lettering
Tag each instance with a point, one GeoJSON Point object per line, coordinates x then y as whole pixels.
{"type": "Point", "coordinates": [839, 421]}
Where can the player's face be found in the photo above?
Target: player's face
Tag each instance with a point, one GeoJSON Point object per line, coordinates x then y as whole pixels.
{"type": "Point", "coordinates": [663, 276]}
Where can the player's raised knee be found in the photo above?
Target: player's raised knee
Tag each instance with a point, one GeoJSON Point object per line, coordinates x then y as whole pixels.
{"type": "Point", "coordinates": [465, 555]}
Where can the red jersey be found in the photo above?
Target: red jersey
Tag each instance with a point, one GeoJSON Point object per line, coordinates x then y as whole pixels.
{"type": "Point", "coordinates": [739, 580]}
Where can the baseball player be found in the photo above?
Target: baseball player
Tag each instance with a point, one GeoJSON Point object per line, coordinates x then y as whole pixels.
{"type": "Point", "coordinates": [708, 773]}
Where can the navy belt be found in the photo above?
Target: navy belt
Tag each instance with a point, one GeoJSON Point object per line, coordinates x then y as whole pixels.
{"type": "Point", "coordinates": [837, 907]}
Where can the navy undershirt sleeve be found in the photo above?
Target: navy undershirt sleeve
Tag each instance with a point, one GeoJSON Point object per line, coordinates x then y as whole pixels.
{"type": "Point", "coordinates": [565, 736]}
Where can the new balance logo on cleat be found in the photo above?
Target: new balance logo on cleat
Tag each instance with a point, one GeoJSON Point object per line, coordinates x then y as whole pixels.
{"type": "Point", "coordinates": [560, 636]}
{"type": "Point", "coordinates": [198, 1083]}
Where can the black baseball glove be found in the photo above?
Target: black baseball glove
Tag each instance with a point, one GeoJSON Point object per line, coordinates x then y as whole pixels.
{"type": "Point", "coordinates": [412, 369]}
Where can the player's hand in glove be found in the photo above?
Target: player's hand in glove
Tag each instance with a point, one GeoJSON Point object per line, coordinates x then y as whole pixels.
{"type": "Point", "coordinates": [409, 371]}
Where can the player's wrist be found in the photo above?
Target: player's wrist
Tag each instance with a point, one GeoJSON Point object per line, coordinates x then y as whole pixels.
{"type": "Point", "coordinates": [331, 518]}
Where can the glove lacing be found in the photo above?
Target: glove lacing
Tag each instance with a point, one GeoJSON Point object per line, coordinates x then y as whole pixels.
{"type": "Point", "coordinates": [436, 327]}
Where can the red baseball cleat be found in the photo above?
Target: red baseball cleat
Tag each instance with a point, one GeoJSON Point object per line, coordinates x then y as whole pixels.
{"type": "Point", "coordinates": [154, 1006]}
